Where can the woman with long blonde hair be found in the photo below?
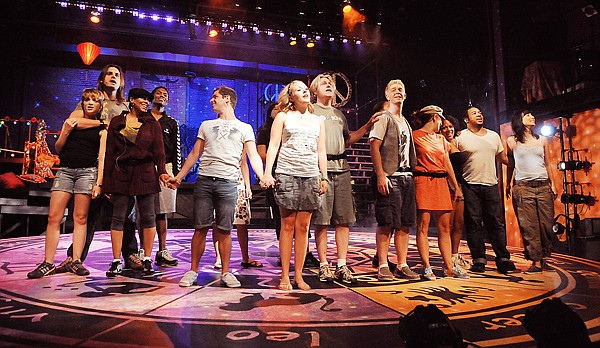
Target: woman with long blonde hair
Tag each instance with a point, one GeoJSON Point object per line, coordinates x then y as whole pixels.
{"type": "Point", "coordinates": [300, 177]}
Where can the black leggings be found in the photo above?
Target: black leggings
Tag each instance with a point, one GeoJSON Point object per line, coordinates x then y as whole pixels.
{"type": "Point", "coordinates": [146, 217]}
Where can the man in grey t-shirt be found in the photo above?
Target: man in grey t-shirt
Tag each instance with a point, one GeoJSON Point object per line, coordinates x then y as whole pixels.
{"type": "Point", "coordinates": [337, 207]}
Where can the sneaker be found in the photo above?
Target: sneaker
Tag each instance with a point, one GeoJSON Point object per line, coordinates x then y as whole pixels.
{"type": "Point", "coordinates": [428, 274]}
{"type": "Point", "coordinates": [147, 266]}
{"type": "Point", "coordinates": [64, 266]}
{"type": "Point", "coordinates": [230, 281]}
{"type": "Point", "coordinates": [115, 269]}
{"type": "Point", "coordinates": [325, 275]}
{"type": "Point", "coordinates": [189, 278]}
{"type": "Point", "coordinates": [456, 272]}
{"type": "Point", "coordinates": [533, 270]}
{"type": "Point", "coordinates": [461, 262]}
{"type": "Point", "coordinates": [134, 262]}
{"type": "Point", "coordinates": [385, 275]}
{"type": "Point", "coordinates": [43, 269]}
{"type": "Point", "coordinates": [78, 268]}
{"type": "Point", "coordinates": [391, 265]}
{"type": "Point", "coordinates": [311, 261]}
{"type": "Point", "coordinates": [406, 273]}
{"type": "Point", "coordinates": [506, 266]}
{"type": "Point", "coordinates": [344, 275]}
{"type": "Point", "coordinates": [164, 258]}
{"type": "Point", "coordinates": [478, 267]}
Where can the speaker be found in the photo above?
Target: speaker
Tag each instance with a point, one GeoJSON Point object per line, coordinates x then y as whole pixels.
{"type": "Point", "coordinates": [427, 326]}
{"type": "Point", "coordinates": [553, 324]}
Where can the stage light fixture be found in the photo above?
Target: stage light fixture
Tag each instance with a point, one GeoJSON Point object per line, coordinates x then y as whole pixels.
{"type": "Point", "coordinates": [118, 11]}
{"type": "Point", "coordinates": [548, 130]}
{"type": "Point", "coordinates": [95, 17]}
{"type": "Point", "coordinates": [154, 17]}
{"type": "Point", "coordinates": [553, 323]}
{"type": "Point", "coordinates": [358, 42]}
{"type": "Point", "coordinates": [584, 165]}
{"type": "Point", "coordinates": [282, 34]}
{"type": "Point", "coordinates": [213, 33]}
{"type": "Point", "coordinates": [293, 41]}
{"type": "Point", "coordinates": [346, 6]}
{"type": "Point", "coordinates": [577, 198]}
{"type": "Point", "coordinates": [427, 326]}
{"type": "Point", "coordinates": [310, 43]}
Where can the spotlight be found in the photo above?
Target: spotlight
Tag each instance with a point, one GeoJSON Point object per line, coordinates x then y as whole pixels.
{"type": "Point", "coordinates": [346, 6]}
{"type": "Point", "coordinates": [554, 324]}
{"type": "Point", "coordinates": [575, 165]}
{"type": "Point", "coordinates": [548, 130]}
{"type": "Point", "coordinates": [293, 41]}
{"type": "Point", "coordinates": [577, 198]}
{"type": "Point", "coordinates": [213, 33]}
{"type": "Point", "coordinates": [345, 40]}
{"type": "Point", "coordinates": [95, 17]}
{"type": "Point", "coordinates": [358, 42]}
{"type": "Point", "coordinates": [428, 326]}
{"type": "Point", "coordinates": [310, 43]}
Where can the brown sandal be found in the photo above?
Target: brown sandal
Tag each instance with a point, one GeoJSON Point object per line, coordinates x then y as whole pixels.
{"type": "Point", "coordinates": [301, 286]}
{"type": "Point", "coordinates": [251, 263]}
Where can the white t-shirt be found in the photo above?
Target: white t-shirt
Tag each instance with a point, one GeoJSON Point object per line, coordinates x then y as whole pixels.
{"type": "Point", "coordinates": [223, 145]}
{"type": "Point", "coordinates": [480, 165]}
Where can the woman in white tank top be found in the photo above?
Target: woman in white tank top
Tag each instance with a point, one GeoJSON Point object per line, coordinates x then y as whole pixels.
{"type": "Point", "coordinates": [301, 175]}
{"type": "Point", "coordinates": [534, 190]}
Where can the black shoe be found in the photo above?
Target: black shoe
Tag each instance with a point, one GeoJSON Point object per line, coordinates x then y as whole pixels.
{"type": "Point", "coordinates": [115, 269]}
{"type": "Point", "coordinates": [77, 268]}
{"type": "Point", "coordinates": [164, 258]}
{"type": "Point", "coordinates": [311, 261]}
{"type": "Point", "coordinates": [147, 264]}
{"type": "Point", "coordinates": [390, 263]}
{"type": "Point", "coordinates": [478, 267]}
{"type": "Point", "coordinates": [533, 270]}
{"type": "Point", "coordinates": [506, 267]}
{"type": "Point", "coordinates": [65, 266]}
{"type": "Point", "coordinates": [43, 269]}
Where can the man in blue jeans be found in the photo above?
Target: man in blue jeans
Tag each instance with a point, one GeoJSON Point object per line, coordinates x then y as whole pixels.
{"type": "Point", "coordinates": [220, 146]}
{"type": "Point", "coordinates": [483, 207]}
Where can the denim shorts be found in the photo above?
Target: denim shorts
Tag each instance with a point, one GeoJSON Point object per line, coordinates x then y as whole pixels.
{"type": "Point", "coordinates": [214, 200]}
{"type": "Point", "coordinates": [297, 193]}
{"type": "Point", "coordinates": [399, 208]}
{"type": "Point", "coordinates": [337, 205]}
{"type": "Point", "coordinates": [75, 180]}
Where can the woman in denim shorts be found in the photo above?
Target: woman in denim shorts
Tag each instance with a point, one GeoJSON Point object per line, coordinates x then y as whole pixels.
{"type": "Point", "coordinates": [81, 154]}
{"type": "Point", "coordinates": [301, 174]}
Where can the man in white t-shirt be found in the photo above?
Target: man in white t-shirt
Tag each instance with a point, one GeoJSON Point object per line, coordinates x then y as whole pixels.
{"type": "Point", "coordinates": [219, 146]}
{"type": "Point", "coordinates": [483, 207]}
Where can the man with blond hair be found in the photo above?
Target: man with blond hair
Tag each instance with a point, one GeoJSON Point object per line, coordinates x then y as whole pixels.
{"type": "Point", "coordinates": [394, 158]}
{"type": "Point", "coordinates": [337, 206]}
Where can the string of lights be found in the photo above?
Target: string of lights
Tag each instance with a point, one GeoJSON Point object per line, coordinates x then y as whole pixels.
{"type": "Point", "coordinates": [215, 25]}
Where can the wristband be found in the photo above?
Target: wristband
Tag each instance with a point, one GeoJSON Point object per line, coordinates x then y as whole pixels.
{"type": "Point", "coordinates": [324, 179]}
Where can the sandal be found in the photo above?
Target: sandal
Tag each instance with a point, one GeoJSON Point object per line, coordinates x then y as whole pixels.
{"type": "Point", "coordinates": [301, 286]}
{"type": "Point", "coordinates": [251, 263]}
{"type": "Point", "coordinates": [285, 286]}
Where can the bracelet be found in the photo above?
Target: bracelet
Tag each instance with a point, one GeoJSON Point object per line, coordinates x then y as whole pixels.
{"type": "Point", "coordinates": [324, 179]}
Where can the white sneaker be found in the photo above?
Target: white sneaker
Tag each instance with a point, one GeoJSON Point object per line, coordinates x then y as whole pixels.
{"type": "Point", "coordinates": [428, 274]}
{"type": "Point", "coordinates": [189, 278]}
{"type": "Point", "coordinates": [141, 253]}
{"type": "Point", "coordinates": [462, 263]}
{"type": "Point", "coordinates": [230, 281]}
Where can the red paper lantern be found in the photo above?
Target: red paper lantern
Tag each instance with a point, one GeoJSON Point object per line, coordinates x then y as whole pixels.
{"type": "Point", "coordinates": [88, 52]}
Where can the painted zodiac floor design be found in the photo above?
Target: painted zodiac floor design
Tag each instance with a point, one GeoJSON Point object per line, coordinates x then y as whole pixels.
{"type": "Point", "coordinates": [137, 310]}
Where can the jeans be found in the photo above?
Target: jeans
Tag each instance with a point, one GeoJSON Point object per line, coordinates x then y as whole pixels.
{"type": "Point", "coordinates": [483, 210]}
{"type": "Point", "coordinates": [214, 200]}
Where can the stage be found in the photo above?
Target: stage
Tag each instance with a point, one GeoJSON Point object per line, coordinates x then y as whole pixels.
{"type": "Point", "coordinates": [153, 311]}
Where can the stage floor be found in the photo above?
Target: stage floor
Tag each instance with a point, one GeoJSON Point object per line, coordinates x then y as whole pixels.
{"type": "Point", "coordinates": [153, 311]}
